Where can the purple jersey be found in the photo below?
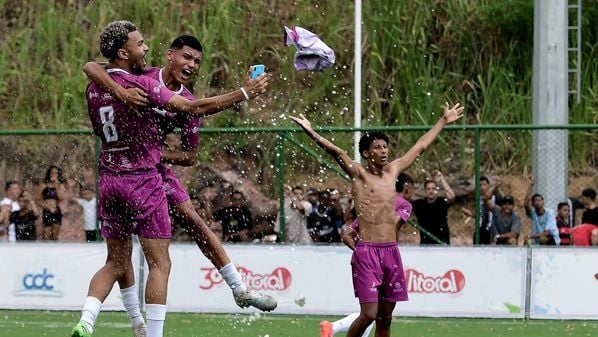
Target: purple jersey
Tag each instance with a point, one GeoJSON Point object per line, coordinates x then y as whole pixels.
{"type": "Point", "coordinates": [130, 141]}
{"type": "Point", "coordinates": [403, 211]}
{"type": "Point", "coordinates": [189, 124]}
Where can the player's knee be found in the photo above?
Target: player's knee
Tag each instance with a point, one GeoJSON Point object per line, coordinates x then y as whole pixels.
{"type": "Point", "coordinates": [369, 315]}
{"type": "Point", "coordinates": [162, 264]}
{"type": "Point", "coordinates": [384, 320]}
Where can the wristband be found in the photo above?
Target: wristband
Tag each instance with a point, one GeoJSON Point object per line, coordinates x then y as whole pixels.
{"type": "Point", "coordinates": [244, 93]}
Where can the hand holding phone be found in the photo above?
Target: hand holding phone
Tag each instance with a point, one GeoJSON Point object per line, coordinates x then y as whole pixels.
{"type": "Point", "coordinates": [257, 70]}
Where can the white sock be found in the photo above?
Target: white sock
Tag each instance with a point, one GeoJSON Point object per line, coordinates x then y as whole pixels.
{"type": "Point", "coordinates": [155, 314]}
{"type": "Point", "coordinates": [231, 276]}
{"type": "Point", "coordinates": [343, 324]}
{"type": "Point", "coordinates": [131, 303]}
{"type": "Point", "coordinates": [367, 331]}
{"type": "Point", "coordinates": [91, 310]}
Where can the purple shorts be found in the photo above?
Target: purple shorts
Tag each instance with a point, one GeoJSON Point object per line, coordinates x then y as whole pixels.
{"type": "Point", "coordinates": [378, 274]}
{"type": "Point", "coordinates": [175, 192]}
{"type": "Point", "coordinates": [133, 204]}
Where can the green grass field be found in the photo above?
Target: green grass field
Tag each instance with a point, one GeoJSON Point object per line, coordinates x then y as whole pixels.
{"type": "Point", "coordinates": [115, 324]}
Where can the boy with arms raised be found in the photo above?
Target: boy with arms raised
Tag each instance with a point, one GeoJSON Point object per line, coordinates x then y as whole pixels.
{"type": "Point", "coordinates": [404, 187]}
{"type": "Point", "coordinates": [378, 277]}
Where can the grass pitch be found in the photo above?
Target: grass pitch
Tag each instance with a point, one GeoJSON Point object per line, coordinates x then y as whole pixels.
{"type": "Point", "coordinates": [15, 323]}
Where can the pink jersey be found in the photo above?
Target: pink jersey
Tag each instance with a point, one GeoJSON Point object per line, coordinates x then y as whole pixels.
{"type": "Point", "coordinates": [189, 124]}
{"type": "Point", "coordinates": [130, 140]}
{"type": "Point", "coordinates": [403, 211]}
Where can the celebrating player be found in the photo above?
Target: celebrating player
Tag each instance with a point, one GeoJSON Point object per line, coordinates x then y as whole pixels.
{"type": "Point", "coordinates": [378, 277]}
{"type": "Point", "coordinates": [184, 58]}
{"type": "Point", "coordinates": [131, 195]}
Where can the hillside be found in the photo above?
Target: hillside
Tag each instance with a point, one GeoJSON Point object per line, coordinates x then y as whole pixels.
{"type": "Point", "coordinates": [417, 55]}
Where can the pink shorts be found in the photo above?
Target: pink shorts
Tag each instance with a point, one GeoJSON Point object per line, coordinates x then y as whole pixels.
{"type": "Point", "coordinates": [175, 192]}
{"type": "Point", "coordinates": [133, 204]}
{"type": "Point", "coordinates": [378, 274]}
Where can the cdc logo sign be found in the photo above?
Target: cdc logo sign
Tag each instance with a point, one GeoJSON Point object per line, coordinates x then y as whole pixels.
{"type": "Point", "coordinates": [38, 284]}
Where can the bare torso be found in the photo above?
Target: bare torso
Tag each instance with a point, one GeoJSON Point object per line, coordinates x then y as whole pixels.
{"type": "Point", "coordinates": [375, 206]}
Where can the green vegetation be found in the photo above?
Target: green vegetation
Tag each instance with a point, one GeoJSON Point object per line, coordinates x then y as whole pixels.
{"type": "Point", "coordinates": [54, 324]}
{"type": "Point", "coordinates": [417, 55]}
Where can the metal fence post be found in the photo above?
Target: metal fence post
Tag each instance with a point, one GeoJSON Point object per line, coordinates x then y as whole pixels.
{"type": "Point", "coordinates": [477, 175]}
{"type": "Point", "coordinates": [280, 167]}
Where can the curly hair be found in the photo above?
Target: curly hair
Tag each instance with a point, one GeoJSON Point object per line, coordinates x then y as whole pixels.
{"type": "Point", "coordinates": [368, 138]}
{"type": "Point", "coordinates": [114, 36]}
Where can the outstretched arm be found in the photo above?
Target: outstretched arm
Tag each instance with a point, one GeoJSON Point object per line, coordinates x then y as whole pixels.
{"type": "Point", "coordinates": [341, 157]}
{"type": "Point", "coordinates": [450, 115]}
{"type": "Point", "coordinates": [211, 105]}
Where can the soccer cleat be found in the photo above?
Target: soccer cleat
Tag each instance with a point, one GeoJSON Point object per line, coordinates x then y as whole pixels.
{"type": "Point", "coordinates": [140, 330]}
{"type": "Point", "coordinates": [257, 300]}
{"type": "Point", "coordinates": [326, 329]}
{"type": "Point", "coordinates": [80, 330]}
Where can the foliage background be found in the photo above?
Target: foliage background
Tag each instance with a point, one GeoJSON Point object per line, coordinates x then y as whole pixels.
{"type": "Point", "coordinates": [417, 54]}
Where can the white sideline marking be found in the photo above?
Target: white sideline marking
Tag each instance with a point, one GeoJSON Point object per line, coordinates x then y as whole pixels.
{"type": "Point", "coordinates": [12, 324]}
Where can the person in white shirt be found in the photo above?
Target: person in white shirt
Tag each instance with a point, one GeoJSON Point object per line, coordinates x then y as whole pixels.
{"type": "Point", "coordinates": [296, 210]}
{"type": "Point", "coordinates": [9, 204]}
{"type": "Point", "coordinates": [87, 201]}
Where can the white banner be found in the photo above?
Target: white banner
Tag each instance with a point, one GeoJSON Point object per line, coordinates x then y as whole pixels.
{"type": "Point", "coordinates": [442, 281]}
{"type": "Point", "coordinates": [449, 281]}
{"type": "Point", "coordinates": [320, 274]}
{"type": "Point", "coordinates": [564, 283]}
{"type": "Point", "coordinates": [52, 276]}
{"type": "Point", "coordinates": [464, 281]}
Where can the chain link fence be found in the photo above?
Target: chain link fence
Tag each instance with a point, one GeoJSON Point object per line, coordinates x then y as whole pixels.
{"type": "Point", "coordinates": [260, 161]}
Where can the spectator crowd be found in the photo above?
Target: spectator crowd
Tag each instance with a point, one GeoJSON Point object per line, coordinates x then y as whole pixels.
{"type": "Point", "coordinates": [59, 209]}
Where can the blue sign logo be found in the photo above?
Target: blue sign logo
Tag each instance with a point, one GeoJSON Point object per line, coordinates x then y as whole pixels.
{"type": "Point", "coordinates": [40, 281]}
{"type": "Point", "coordinates": [38, 284]}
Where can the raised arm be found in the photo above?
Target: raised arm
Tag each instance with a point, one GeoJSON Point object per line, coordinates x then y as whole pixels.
{"type": "Point", "coordinates": [528, 195]}
{"type": "Point", "coordinates": [450, 194]}
{"type": "Point", "coordinates": [134, 97]}
{"type": "Point", "coordinates": [450, 115]}
{"type": "Point", "coordinates": [341, 157]}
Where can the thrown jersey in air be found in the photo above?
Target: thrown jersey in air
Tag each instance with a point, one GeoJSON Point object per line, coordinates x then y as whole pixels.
{"type": "Point", "coordinates": [188, 123]}
{"type": "Point", "coordinates": [312, 53]}
{"type": "Point", "coordinates": [130, 140]}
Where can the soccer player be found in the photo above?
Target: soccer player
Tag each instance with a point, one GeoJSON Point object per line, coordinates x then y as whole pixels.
{"type": "Point", "coordinates": [404, 187]}
{"type": "Point", "coordinates": [131, 197]}
{"type": "Point", "coordinates": [184, 58]}
{"type": "Point", "coordinates": [378, 277]}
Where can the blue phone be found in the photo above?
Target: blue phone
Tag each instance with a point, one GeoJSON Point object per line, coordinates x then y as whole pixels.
{"type": "Point", "coordinates": [257, 70]}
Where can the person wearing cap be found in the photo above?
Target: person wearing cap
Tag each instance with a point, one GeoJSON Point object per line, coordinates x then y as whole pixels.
{"type": "Point", "coordinates": [313, 196]}
{"type": "Point", "coordinates": [506, 224]}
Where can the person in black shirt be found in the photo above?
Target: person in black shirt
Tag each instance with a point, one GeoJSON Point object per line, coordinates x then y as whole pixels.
{"type": "Point", "coordinates": [24, 219]}
{"type": "Point", "coordinates": [322, 224]}
{"type": "Point", "coordinates": [486, 217]}
{"type": "Point", "coordinates": [236, 220]}
{"type": "Point", "coordinates": [432, 211]}
{"type": "Point", "coordinates": [590, 215]}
